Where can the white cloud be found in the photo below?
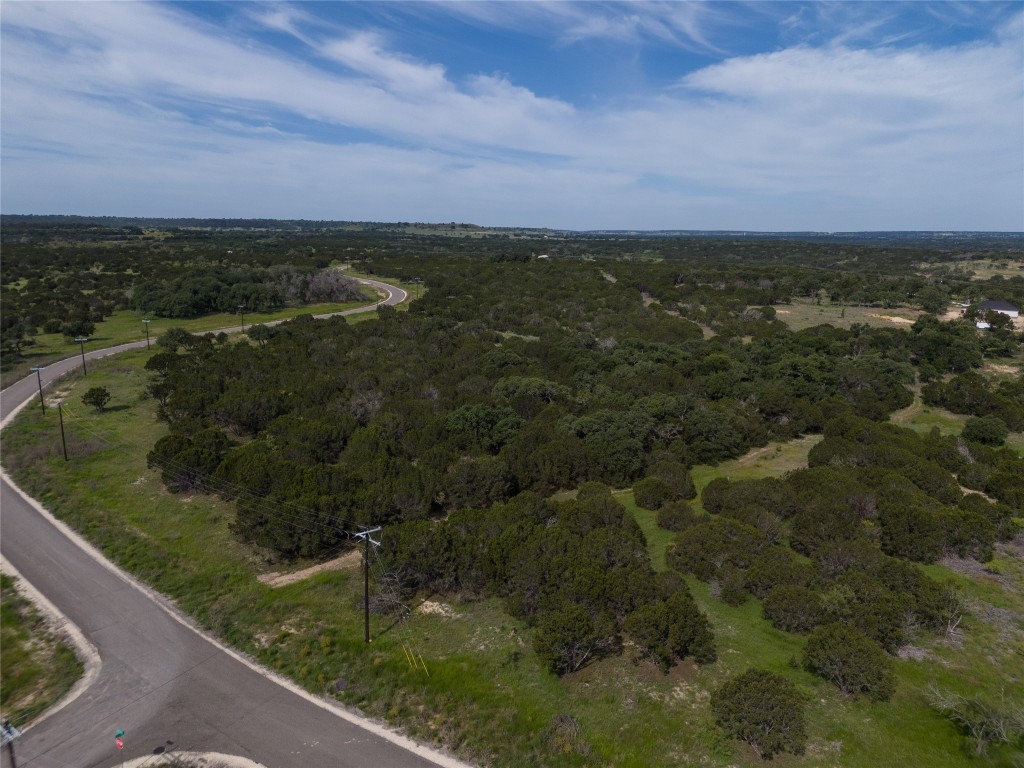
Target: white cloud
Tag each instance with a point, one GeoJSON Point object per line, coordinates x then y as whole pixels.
{"type": "Point", "coordinates": [133, 105]}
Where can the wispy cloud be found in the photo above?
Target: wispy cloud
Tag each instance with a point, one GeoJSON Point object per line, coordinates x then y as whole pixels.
{"type": "Point", "coordinates": [141, 108]}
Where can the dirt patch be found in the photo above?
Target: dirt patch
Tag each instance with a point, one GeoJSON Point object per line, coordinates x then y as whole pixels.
{"type": "Point", "coordinates": [975, 570]}
{"type": "Point", "coordinates": [894, 319]}
{"type": "Point", "coordinates": [1009, 370]}
{"type": "Point", "coordinates": [437, 609]}
{"type": "Point", "coordinates": [913, 653]}
{"type": "Point", "coordinates": [647, 299]}
{"type": "Point", "coordinates": [348, 561]}
{"type": "Point", "coordinates": [609, 277]}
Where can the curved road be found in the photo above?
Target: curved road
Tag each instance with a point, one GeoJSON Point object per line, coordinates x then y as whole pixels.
{"type": "Point", "coordinates": [169, 687]}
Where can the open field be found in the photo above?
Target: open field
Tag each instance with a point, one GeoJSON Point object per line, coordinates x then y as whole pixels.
{"type": "Point", "coordinates": [922, 418]}
{"type": "Point", "coordinates": [982, 269]}
{"type": "Point", "coordinates": [806, 314]}
{"type": "Point", "coordinates": [773, 460]}
{"type": "Point", "coordinates": [484, 692]}
{"type": "Point", "coordinates": [36, 667]}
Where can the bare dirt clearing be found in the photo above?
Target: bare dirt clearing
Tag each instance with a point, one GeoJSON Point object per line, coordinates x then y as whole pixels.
{"type": "Point", "coordinates": [348, 561]}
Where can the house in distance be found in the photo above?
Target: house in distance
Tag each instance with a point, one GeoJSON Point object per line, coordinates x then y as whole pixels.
{"type": "Point", "coordinates": [995, 305]}
{"type": "Point", "coordinates": [998, 305]}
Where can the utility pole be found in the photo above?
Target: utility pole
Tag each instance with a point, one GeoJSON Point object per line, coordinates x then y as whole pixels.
{"type": "Point", "coordinates": [81, 340]}
{"type": "Point", "coordinates": [367, 541]}
{"type": "Point", "coordinates": [8, 733]}
{"type": "Point", "coordinates": [147, 321]}
{"type": "Point", "coordinates": [241, 310]}
{"type": "Point", "coordinates": [63, 442]}
{"type": "Point", "coordinates": [39, 380]}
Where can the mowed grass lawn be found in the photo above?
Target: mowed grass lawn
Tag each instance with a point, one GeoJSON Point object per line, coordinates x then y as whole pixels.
{"type": "Point", "coordinates": [483, 691]}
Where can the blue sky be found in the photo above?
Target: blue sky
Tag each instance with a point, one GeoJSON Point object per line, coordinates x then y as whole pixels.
{"type": "Point", "coordinates": [640, 115]}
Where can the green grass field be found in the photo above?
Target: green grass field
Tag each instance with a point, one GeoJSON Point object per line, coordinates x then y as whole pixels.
{"type": "Point", "coordinates": [806, 314]}
{"type": "Point", "coordinates": [483, 692]}
{"type": "Point", "coordinates": [36, 667]}
{"type": "Point", "coordinates": [983, 269]}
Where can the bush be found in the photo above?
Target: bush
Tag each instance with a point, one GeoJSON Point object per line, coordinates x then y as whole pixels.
{"type": "Point", "coordinates": [793, 608]}
{"type": "Point", "coordinates": [775, 567]}
{"type": "Point", "coordinates": [763, 709]}
{"type": "Point", "coordinates": [76, 328]}
{"type": "Point", "coordinates": [713, 495]}
{"type": "Point", "coordinates": [677, 476]}
{"type": "Point", "coordinates": [97, 397]}
{"type": "Point", "coordinates": [651, 493]}
{"type": "Point", "coordinates": [854, 662]}
{"type": "Point", "coordinates": [983, 718]}
{"type": "Point", "coordinates": [731, 589]}
{"type": "Point", "coordinates": [988, 430]}
{"type": "Point", "coordinates": [675, 516]}
{"type": "Point", "coordinates": [672, 630]}
{"type": "Point", "coordinates": [569, 637]}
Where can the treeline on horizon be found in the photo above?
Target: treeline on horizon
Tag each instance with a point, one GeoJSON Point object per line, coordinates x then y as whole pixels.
{"type": "Point", "coordinates": [68, 273]}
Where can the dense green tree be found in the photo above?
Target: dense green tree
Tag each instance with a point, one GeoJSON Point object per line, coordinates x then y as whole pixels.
{"type": "Point", "coordinates": [853, 662]}
{"type": "Point", "coordinates": [990, 430]}
{"type": "Point", "coordinates": [793, 608]}
{"type": "Point", "coordinates": [567, 637]}
{"type": "Point", "coordinates": [763, 709]}
{"type": "Point", "coordinates": [651, 493]}
{"type": "Point", "coordinates": [675, 516]}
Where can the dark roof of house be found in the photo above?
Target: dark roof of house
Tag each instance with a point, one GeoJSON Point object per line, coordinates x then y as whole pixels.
{"type": "Point", "coordinates": [998, 305]}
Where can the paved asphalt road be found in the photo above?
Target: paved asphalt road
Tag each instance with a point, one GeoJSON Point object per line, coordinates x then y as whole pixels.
{"type": "Point", "coordinates": [167, 686]}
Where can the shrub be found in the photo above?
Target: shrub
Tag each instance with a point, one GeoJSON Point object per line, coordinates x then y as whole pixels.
{"type": "Point", "coordinates": [793, 608]}
{"type": "Point", "coordinates": [713, 495]}
{"type": "Point", "coordinates": [675, 516]}
{"type": "Point", "coordinates": [854, 662]}
{"type": "Point", "coordinates": [731, 587]}
{"type": "Point", "coordinates": [97, 397]}
{"type": "Point", "coordinates": [983, 718]}
{"type": "Point", "coordinates": [763, 709]}
{"type": "Point", "coordinates": [651, 493]}
{"type": "Point", "coordinates": [989, 430]}
{"type": "Point", "coordinates": [569, 637]}
{"type": "Point", "coordinates": [677, 476]}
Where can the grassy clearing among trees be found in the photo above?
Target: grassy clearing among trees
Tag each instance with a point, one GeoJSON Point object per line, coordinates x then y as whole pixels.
{"type": "Point", "coordinates": [479, 658]}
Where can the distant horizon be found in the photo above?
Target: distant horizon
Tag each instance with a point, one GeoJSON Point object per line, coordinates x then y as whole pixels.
{"type": "Point", "coordinates": [599, 230]}
{"type": "Point", "coordinates": [649, 116]}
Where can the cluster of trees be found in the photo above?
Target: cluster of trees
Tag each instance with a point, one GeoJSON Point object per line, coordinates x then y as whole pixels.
{"type": "Point", "coordinates": [452, 423]}
{"type": "Point", "coordinates": [826, 549]}
{"type": "Point", "coordinates": [973, 394]}
{"type": "Point", "coordinates": [475, 394]}
{"type": "Point", "coordinates": [222, 289]}
{"type": "Point", "coordinates": [63, 276]}
{"type": "Point", "coordinates": [577, 570]}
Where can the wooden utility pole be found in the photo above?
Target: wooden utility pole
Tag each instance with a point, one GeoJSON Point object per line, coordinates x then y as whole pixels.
{"type": "Point", "coordinates": [63, 442]}
{"type": "Point", "coordinates": [367, 541]}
